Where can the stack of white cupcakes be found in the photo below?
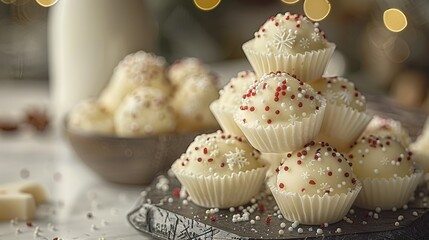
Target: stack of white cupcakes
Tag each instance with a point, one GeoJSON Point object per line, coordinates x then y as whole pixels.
{"type": "Point", "coordinates": [307, 127]}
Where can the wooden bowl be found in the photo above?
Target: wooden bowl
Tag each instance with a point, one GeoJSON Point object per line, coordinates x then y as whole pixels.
{"type": "Point", "coordinates": [128, 160]}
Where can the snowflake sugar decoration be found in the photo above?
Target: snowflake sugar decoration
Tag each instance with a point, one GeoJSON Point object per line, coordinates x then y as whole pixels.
{"type": "Point", "coordinates": [282, 40]}
{"type": "Point", "coordinates": [345, 95]}
{"type": "Point", "coordinates": [236, 158]}
{"type": "Point", "coordinates": [315, 36]}
{"type": "Point", "coordinates": [305, 175]}
{"type": "Point", "coordinates": [385, 161]}
{"type": "Point", "coordinates": [324, 186]}
{"type": "Point", "coordinates": [310, 163]}
{"type": "Point", "coordinates": [304, 43]}
{"type": "Point", "coordinates": [321, 171]}
{"type": "Point", "coordinates": [292, 119]}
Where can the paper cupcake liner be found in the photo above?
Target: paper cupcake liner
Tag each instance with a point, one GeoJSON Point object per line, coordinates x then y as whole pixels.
{"type": "Point", "coordinates": [306, 66]}
{"type": "Point", "coordinates": [225, 119]}
{"type": "Point", "coordinates": [282, 138]}
{"type": "Point", "coordinates": [313, 210]}
{"type": "Point", "coordinates": [273, 160]}
{"type": "Point", "coordinates": [388, 193]}
{"type": "Point", "coordinates": [222, 192]}
{"type": "Point", "coordinates": [342, 126]}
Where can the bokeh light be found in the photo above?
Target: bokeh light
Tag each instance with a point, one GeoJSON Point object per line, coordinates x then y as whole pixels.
{"type": "Point", "coordinates": [290, 1]}
{"type": "Point", "coordinates": [46, 3]}
{"type": "Point", "coordinates": [317, 10]}
{"type": "Point", "coordinates": [395, 20]}
{"type": "Point", "coordinates": [206, 5]}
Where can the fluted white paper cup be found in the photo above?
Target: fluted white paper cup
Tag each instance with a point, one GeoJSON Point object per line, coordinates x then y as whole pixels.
{"type": "Point", "coordinates": [224, 116]}
{"type": "Point", "coordinates": [388, 193]}
{"type": "Point", "coordinates": [281, 138]}
{"type": "Point", "coordinates": [308, 66]}
{"type": "Point", "coordinates": [342, 125]}
{"type": "Point", "coordinates": [222, 192]}
{"type": "Point", "coordinates": [315, 209]}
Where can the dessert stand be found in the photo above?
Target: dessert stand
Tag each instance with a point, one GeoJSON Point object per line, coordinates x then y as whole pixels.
{"type": "Point", "coordinates": [161, 213]}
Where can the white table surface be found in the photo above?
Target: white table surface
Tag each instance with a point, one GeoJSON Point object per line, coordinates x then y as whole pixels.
{"type": "Point", "coordinates": [74, 191]}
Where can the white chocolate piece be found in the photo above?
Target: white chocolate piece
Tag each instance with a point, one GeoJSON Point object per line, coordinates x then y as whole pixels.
{"type": "Point", "coordinates": [380, 157]}
{"type": "Point", "coordinates": [232, 93]}
{"type": "Point", "coordinates": [19, 200]}
{"type": "Point", "coordinates": [278, 99]}
{"type": "Point", "coordinates": [137, 69]}
{"type": "Point", "coordinates": [183, 68]}
{"type": "Point", "coordinates": [219, 153]}
{"type": "Point", "coordinates": [340, 91]}
{"type": "Point", "coordinates": [289, 34]}
{"type": "Point", "coordinates": [191, 103]}
{"type": "Point", "coordinates": [88, 115]}
{"type": "Point", "coordinates": [316, 169]}
{"type": "Point", "coordinates": [381, 126]}
{"type": "Point", "coordinates": [144, 112]}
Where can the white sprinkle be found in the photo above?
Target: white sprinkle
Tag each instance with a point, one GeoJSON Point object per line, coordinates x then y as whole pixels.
{"type": "Point", "coordinates": [185, 202]}
{"type": "Point", "coordinates": [378, 209]}
{"type": "Point", "coordinates": [253, 200]}
{"type": "Point", "coordinates": [257, 218]}
{"type": "Point", "coordinates": [364, 222]}
{"type": "Point", "coordinates": [415, 213]}
{"type": "Point", "coordinates": [282, 225]}
{"type": "Point", "coordinates": [370, 213]}
{"type": "Point", "coordinates": [340, 170]}
{"type": "Point", "coordinates": [405, 207]}
{"type": "Point", "coordinates": [310, 229]}
{"type": "Point", "coordinates": [339, 230]}
{"type": "Point", "coordinates": [252, 221]}
{"type": "Point", "coordinates": [280, 216]}
{"type": "Point", "coordinates": [295, 224]}
{"type": "Point", "coordinates": [352, 211]}
{"type": "Point", "coordinates": [231, 209]}
{"type": "Point", "coordinates": [300, 230]}
{"type": "Point", "coordinates": [394, 209]}
{"type": "Point", "coordinates": [376, 171]}
{"type": "Point", "coordinates": [170, 200]}
{"type": "Point", "coordinates": [400, 218]}
{"type": "Point", "coordinates": [397, 224]}
{"type": "Point", "coordinates": [319, 231]}
{"type": "Point", "coordinates": [290, 229]}
{"type": "Point", "coordinates": [281, 232]}
{"type": "Point", "coordinates": [375, 216]}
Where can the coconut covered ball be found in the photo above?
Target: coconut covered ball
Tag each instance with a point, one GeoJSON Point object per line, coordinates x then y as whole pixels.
{"type": "Point", "coordinates": [89, 115]}
{"type": "Point", "coordinates": [289, 34]}
{"type": "Point", "coordinates": [316, 169]}
{"type": "Point", "coordinates": [144, 112]}
{"type": "Point", "coordinates": [137, 69]}
{"type": "Point", "coordinates": [191, 102]}
{"type": "Point", "coordinates": [380, 157]}
{"type": "Point", "coordinates": [381, 126]}
{"type": "Point", "coordinates": [341, 92]}
{"type": "Point", "coordinates": [219, 154]}
{"type": "Point", "coordinates": [183, 68]}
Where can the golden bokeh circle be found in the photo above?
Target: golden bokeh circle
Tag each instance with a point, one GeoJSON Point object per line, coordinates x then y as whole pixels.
{"type": "Point", "coordinates": [317, 10]}
{"type": "Point", "coordinates": [395, 20]}
{"type": "Point", "coordinates": [46, 3]}
{"type": "Point", "coordinates": [206, 5]}
{"type": "Point", "coordinates": [8, 1]}
{"type": "Point", "coordinates": [290, 1]}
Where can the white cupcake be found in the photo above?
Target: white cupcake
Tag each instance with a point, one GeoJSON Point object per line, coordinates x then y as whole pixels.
{"type": "Point", "coordinates": [144, 112]}
{"type": "Point", "coordinates": [180, 70]}
{"type": "Point", "coordinates": [280, 113]}
{"type": "Point", "coordinates": [289, 43]}
{"type": "Point", "coordinates": [137, 69]}
{"type": "Point", "coordinates": [314, 185]}
{"type": "Point", "coordinates": [382, 126]}
{"type": "Point", "coordinates": [90, 116]}
{"type": "Point", "coordinates": [420, 149]}
{"type": "Point", "coordinates": [230, 100]}
{"type": "Point", "coordinates": [345, 118]}
{"type": "Point", "coordinates": [220, 170]}
{"type": "Point", "coordinates": [387, 171]}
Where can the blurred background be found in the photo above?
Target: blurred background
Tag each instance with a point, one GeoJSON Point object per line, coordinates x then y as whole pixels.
{"type": "Point", "coordinates": [376, 59]}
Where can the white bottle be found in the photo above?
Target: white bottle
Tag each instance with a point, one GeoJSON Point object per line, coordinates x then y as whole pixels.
{"type": "Point", "coordinates": [87, 39]}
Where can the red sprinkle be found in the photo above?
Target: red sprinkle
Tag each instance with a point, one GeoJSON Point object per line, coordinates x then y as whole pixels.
{"type": "Point", "coordinates": [269, 121]}
{"type": "Point", "coordinates": [176, 192]}
{"type": "Point", "coordinates": [205, 151]}
{"type": "Point", "coordinates": [281, 185]}
{"type": "Point", "coordinates": [267, 108]}
{"type": "Point", "coordinates": [277, 112]}
{"type": "Point", "coordinates": [300, 104]}
{"type": "Point", "coordinates": [299, 162]}
{"type": "Point", "coordinates": [261, 207]}
{"type": "Point", "coordinates": [329, 173]}
{"type": "Point", "coordinates": [252, 109]}
{"type": "Point", "coordinates": [268, 219]}
{"type": "Point", "coordinates": [286, 168]}
{"type": "Point", "coordinates": [346, 174]}
{"type": "Point", "coordinates": [213, 218]}
{"type": "Point", "coordinates": [312, 182]}
{"type": "Point", "coordinates": [29, 224]}
{"type": "Point", "coordinates": [210, 160]}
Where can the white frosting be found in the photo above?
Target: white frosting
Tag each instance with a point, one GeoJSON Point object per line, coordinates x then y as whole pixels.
{"type": "Point", "coordinates": [191, 103]}
{"type": "Point", "coordinates": [380, 126]}
{"type": "Point", "coordinates": [380, 157]}
{"type": "Point", "coordinates": [137, 69]}
{"type": "Point", "coordinates": [232, 93]}
{"type": "Point", "coordinates": [144, 112]}
{"type": "Point", "coordinates": [340, 91]}
{"type": "Point", "coordinates": [278, 99]}
{"type": "Point", "coordinates": [316, 169]}
{"type": "Point", "coordinates": [183, 68]}
{"type": "Point", "coordinates": [219, 154]}
{"type": "Point", "coordinates": [89, 115]}
{"type": "Point", "coordinates": [289, 34]}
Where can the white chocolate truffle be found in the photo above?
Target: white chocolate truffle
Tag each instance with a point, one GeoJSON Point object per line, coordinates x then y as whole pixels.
{"type": "Point", "coordinates": [380, 157]}
{"type": "Point", "coordinates": [144, 112]}
{"type": "Point", "coordinates": [316, 169]}
{"type": "Point", "coordinates": [183, 68]}
{"type": "Point", "coordinates": [89, 115]}
{"type": "Point", "coordinates": [191, 103]}
{"type": "Point", "coordinates": [340, 91]}
{"type": "Point", "coordinates": [289, 34]}
{"type": "Point", "coordinates": [232, 93]}
{"type": "Point", "coordinates": [381, 126]}
{"type": "Point", "coordinates": [137, 69]}
{"type": "Point", "coordinates": [220, 154]}
{"type": "Point", "coordinates": [278, 99]}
